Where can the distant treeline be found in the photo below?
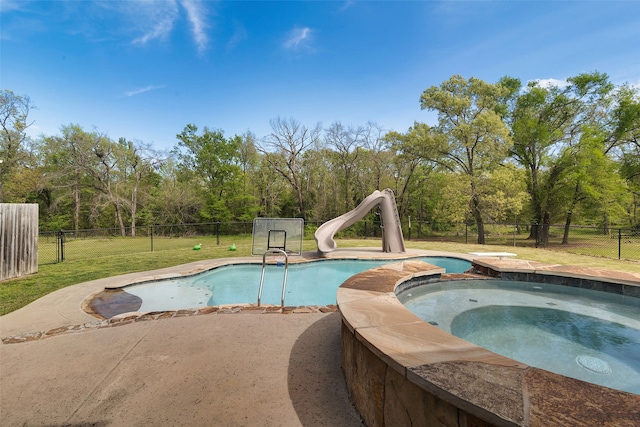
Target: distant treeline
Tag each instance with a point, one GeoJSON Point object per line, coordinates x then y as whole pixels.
{"type": "Point", "coordinates": [535, 154]}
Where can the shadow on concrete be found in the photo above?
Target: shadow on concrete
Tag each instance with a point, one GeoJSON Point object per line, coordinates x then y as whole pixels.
{"type": "Point", "coordinates": [317, 388]}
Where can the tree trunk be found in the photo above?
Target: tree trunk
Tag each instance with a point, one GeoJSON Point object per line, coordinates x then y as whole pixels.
{"type": "Point", "coordinates": [76, 206]}
{"type": "Point", "coordinates": [475, 206]}
{"type": "Point", "coordinates": [544, 235]}
{"type": "Point", "coordinates": [116, 205]}
{"type": "Point", "coordinates": [567, 226]}
{"type": "Point", "coordinates": [134, 203]}
{"type": "Point", "coordinates": [134, 210]}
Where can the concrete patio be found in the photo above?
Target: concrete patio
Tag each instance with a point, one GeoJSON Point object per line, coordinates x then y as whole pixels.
{"type": "Point", "coordinates": [241, 369]}
{"type": "Point", "coordinates": [218, 369]}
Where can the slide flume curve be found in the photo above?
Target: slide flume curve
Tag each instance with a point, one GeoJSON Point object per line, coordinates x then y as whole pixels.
{"type": "Point", "coordinates": [392, 239]}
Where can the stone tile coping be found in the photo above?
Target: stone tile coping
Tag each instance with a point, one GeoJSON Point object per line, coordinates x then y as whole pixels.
{"type": "Point", "coordinates": [500, 255]}
{"type": "Point", "coordinates": [494, 388]}
{"type": "Point", "coordinates": [524, 266]}
{"type": "Point", "coordinates": [132, 317]}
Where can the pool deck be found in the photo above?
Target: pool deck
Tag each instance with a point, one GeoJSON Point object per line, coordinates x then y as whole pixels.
{"type": "Point", "coordinates": [212, 369]}
{"type": "Point", "coordinates": [244, 369]}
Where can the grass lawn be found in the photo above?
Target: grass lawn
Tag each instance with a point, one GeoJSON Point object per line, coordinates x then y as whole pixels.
{"type": "Point", "coordinates": [86, 260]}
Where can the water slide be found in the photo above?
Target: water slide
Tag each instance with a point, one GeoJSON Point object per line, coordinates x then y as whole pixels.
{"type": "Point", "coordinates": [392, 240]}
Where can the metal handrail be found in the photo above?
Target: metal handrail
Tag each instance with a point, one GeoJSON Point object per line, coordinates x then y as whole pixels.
{"type": "Point", "coordinates": [286, 269]}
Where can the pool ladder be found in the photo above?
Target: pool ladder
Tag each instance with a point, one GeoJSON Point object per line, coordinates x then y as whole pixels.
{"type": "Point", "coordinates": [286, 269]}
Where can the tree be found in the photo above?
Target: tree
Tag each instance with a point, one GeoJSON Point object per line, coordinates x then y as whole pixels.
{"type": "Point", "coordinates": [211, 161]}
{"type": "Point", "coordinates": [545, 121]}
{"type": "Point", "coordinates": [67, 158]}
{"type": "Point", "coordinates": [374, 141]}
{"type": "Point", "coordinates": [470, 136]}
{"type": "Point", "coordinates": [345, 142]}
{"type": "Point", "coordinates": [407, 160]}
{"type": "Point", "coordinates": [623, 141]}
{"type": "Point", "coordinates": [505, 195]}
{"type": "Point", "coordinates": [137, 163]}
{"type": "Point", "coordinates": [14, 112]}
{"type": "Point", "coordinates": [98, 173]}
{"type": "Point", "coordinates": [283, 150]}
{"type": "Point", "coordinates": [249, 162]}
{"type": "Point", "coordinates": [174, 201]}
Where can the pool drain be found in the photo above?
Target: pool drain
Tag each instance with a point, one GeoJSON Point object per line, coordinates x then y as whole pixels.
{"type": "Point", "coordinates": [593, 364]}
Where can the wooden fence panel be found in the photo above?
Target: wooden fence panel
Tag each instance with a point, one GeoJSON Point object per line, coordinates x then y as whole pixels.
{"type": "Point", "coordinates": [18, 239]}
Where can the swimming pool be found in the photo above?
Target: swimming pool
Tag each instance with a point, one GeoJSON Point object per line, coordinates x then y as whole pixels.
{"type": "Point", "coordinates": [309, 283]}
{"type": "Point", "coordinates": [589, 335]}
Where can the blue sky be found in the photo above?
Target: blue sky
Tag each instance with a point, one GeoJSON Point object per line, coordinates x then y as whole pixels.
{"type": "Point", "coordinates": [144, 69]}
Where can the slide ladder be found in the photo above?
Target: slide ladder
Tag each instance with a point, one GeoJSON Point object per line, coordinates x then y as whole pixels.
{"type": "Point", "coordinates": [264, 266]}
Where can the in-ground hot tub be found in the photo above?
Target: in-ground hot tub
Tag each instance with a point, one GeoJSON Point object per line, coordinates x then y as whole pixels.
{"type": "Point", "coordinates": [401, 370]}
{"type": "Point", "coordinates": [585, 334]}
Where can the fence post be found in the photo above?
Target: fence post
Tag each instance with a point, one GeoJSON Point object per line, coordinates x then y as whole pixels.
{"type": "Point", "coordinates": [61, 245]}
{"type": "Point", "coordinates": [466, 233]}
{"type": "Point", "coordinates": [218, 233]}
{"type": "Point", "coordinates": [619, 243]}
{"type": "Point", "coordinates": [151, 235]}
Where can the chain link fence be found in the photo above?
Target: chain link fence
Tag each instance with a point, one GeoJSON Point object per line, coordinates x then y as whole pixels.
{"type": "Point", "coordinates": [57, 246]}
{"type": "Point", "coordinates": [616, 242]}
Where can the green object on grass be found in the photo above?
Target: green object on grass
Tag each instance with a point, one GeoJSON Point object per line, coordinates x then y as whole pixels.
{"type": "Point", "coordinates": [232, 247]}
{"type": "Point", "coordinates": [197, 247]}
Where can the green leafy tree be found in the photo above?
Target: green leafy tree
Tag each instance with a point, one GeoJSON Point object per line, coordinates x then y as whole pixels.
{"type": "Point", "coordinates": [470, 137]}
{"type": "Point", "coordinates": [409, 168]}
{"type": "Point", "coordinates": [14, 153]}
{"type": "Point", "coordinates": [68, 157]}
{"type": "Point", "coordinates": [249, 162]}
{"type": "Point", "coordinates": [623, 141]}
{"type": "Point", "coordinates": [211, 161]}
{"type": "Point", "coordinates": [505, 194]}
{"type": "Point", "coordinates": [173, 201]}
{"type": "Point", "coordinates": [547, 121]}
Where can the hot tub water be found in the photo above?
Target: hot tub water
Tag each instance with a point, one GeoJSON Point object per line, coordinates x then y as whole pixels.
{"type": "Point", "coordinates": [589, 335]}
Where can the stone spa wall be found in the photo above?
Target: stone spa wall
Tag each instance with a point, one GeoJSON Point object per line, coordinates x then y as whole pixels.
{"type": "Point", "coordinates": [402, 371]}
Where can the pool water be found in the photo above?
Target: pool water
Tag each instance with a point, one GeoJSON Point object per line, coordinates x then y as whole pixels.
{"type": "Point", "coordinates": [589, 335]}
{"type": "Point", "coordinates": [311, 283]}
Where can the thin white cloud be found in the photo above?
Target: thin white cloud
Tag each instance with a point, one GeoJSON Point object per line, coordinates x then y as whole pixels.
{"type": "Point", "coordinates": [547, 83]}
{"type": "Point", "coordinates": [154, 18]}
{"type": "Point", "coordinates": [198, 19]}
{"type": "Point", "coordinates": [157, 18]}
{"type": "Point", "coordinates": [143, 90]}
{"type": "Point", "coordinates": [239, 34]}
{"type": "Point", "coordinates": [11, 5]}
{"type": "Point", "coordinates": [159, 31]}
{"type": "Point", "coordinates": [298, 38]}
{"type": "Point", "coordinates": [347, 4]}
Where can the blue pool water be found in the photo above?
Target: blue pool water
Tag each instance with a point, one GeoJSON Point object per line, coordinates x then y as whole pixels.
{"type": "Point", "coordinates": [589, 335]}
{"type": "Point", "coordinates": [311, 283]}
